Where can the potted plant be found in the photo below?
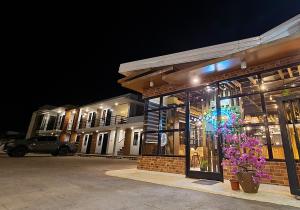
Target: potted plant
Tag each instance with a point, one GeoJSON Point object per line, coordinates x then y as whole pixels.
{"type": "Point", "coordinates": [203, 165]}
{"type": "Point", "coordinates": [243, 154]}
{"type": "Point", "coordinates": [234, 183]}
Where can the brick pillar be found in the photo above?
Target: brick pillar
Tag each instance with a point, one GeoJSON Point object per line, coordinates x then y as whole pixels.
{"type": "Point", "coordinates": [80, 143]}
{"type": "Point", "coordinates": [73, 137]}
{"type": "Point", "coordinates": [98, 117]}
{"type": "Point", "coordinates": [94, 142]}
{"type": "Point", "coordinates": [127, 141]}
{"type": "Point", "coordinates": [75, 121]}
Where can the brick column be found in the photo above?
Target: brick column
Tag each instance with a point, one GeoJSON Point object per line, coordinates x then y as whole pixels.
{"type": "Point", "coordinates": [98, 117]}
{"type": "Point", "coordinates": [80, 143]}
{"type": "Point", "coordinates": [127, 141]}
{"type": "Point", "coordinates": [94, 142]}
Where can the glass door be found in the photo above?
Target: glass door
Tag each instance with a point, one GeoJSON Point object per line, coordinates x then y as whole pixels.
{"type": "Point", "coordinates": [289, 110]}
{"type": "Point", "coordinates": [203, 156]}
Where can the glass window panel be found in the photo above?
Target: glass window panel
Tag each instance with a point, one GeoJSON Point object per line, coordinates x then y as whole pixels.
{"type": "Point", "coordinates": [292, 135]}
{"type": "Point", "coordinates": [172, 143]}
{"type": "Point", "coordinates": [258, 132]}
{"type": "Point", "coordinates": [173, 118]}
{"type": "Point", "coordinates": [276, 141]}
{"type": "Point", "coordinates": [150, 141]}
{"type": "Point", "coordinates": [154, 103]}
{"type": "Point", "coordinates": [272, 107]}
{"type": "Point", "coordinates": [239, 86]}
{"type": "Point", "coordinates": [203, 123]}
{"type": "Point", "coordinates": [174, 99]}
{"type": "Point", "coordinates": [152, 121]}
{"type": "Point", "coordinates": [281, 79]}
{"type": "Point", "coordinates": [247, 108]}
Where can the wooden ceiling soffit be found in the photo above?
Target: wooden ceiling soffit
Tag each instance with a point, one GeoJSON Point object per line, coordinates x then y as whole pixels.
{"type": "Point", "coordinates": [253, 56]}
{"type": "Point", "coordinates": [271, 65]}
{"type": "Point", "coordinates": [141, 82]}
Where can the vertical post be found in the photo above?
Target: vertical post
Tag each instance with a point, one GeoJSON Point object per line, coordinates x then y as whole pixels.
{"type": "Point", "coordinates": [265, 118]}
{"type": "Point", "coordinates": [115, 141]}
{"type": "Point", "coordinates": [187, 133]}
{"type": "Point", "coordinates": [218, 123]}
{"type": "Point", "coordinates": [158, 152]}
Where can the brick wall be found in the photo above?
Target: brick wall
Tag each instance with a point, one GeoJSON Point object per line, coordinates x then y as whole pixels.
{"type": "Point", "coordinates": [277, 170]}
{"type": "Point", "coordinates": [163, 164]}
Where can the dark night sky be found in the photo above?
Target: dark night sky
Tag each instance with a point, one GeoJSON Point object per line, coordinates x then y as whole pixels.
{"type": "Point", "coordinates": [69, 54]}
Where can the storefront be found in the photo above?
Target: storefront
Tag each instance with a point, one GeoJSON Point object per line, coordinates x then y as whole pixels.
{"type": "Point", "coordinates": [186, 101]}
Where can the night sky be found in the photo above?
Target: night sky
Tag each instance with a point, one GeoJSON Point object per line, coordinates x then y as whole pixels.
{"type": "Point", "coordinates": [70, 54]}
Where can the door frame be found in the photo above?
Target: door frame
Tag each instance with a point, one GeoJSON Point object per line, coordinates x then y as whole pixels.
{"type": "Point", "coordinates": [106, 145]}
{"type": "Point", "coordinates": [287, 147]}
{"type": "Point", "coordinates": [200, 174]}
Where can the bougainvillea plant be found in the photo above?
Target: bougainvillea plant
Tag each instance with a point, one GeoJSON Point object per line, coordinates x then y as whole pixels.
{"type": "Point", "coordinates": [242, 153]}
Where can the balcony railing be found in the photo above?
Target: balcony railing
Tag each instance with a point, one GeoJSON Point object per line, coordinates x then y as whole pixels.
{"type": "Point", "coordinates": [113, 120]}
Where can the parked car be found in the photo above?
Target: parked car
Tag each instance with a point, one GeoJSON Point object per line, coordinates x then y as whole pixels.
{"type": "Point", "coordinates": [42, 144]}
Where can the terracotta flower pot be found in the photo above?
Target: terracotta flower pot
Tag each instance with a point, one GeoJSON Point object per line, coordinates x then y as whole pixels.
{"type": "Point", "coordinates": [247, 183]}
{"type": "Point", "coordinates": [235, 185]}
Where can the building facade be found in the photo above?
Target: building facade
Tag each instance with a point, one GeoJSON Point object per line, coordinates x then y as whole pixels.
{"type": "Point", "coordinates": [188, 94]}
{"type": "Point", "coordinates": [109, 127]}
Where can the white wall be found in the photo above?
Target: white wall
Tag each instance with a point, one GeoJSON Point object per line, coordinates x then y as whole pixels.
{"type": "Point", "coordinates": [134, 149]}
{"type": "Point", "coordinates": [110, 145]}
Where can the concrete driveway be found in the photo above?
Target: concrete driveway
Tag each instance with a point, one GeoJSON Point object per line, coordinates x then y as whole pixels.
{"type": "Point", "coordinates": [44, 182]}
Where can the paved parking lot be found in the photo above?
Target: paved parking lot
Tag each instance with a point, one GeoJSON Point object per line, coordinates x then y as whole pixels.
{"type": "Point", "coordinates": [44, 182]}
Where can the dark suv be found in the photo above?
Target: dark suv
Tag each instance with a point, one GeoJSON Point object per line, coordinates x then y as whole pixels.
{"type": "Point", "coordinates": [40, 144]}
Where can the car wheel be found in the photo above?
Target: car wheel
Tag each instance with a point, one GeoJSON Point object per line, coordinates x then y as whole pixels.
{"type": "Point", "coordinates": [10, 154]}
{"type": "Point", "coordinates": [18, 152]}
{"type": "Point", "coordinates": [54, 153]}
{"type": "Point", "coordinates": [63, 151]}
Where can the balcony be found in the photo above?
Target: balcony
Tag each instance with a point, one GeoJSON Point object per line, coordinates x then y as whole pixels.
{"type": "Point", "coordinates": [113, 121]}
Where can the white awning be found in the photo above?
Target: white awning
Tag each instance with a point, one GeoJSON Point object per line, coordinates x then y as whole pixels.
{"type": "Point", "coordinates": [285, 29]}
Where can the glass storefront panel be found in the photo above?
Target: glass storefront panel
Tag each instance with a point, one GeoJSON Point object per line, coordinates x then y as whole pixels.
{"type": "Point", "coordinates": [174, 100]}
{"type": "Point", "coordinates": [152, 121]}
{"type": "Point", "coordinates": [154, 103]}
{"type": "Point", "coordinates": [258, 132]}
{"type": "Point", "coordinates": [204, 154]}
{"type": "Point", "coordinates": [173, 118]}
{"type": "Point", "coordinates": [276, 142]}
{"type": "Point", "coordinates": [172, 143]}
{"type": "Point", "coordinates": [150, 142]}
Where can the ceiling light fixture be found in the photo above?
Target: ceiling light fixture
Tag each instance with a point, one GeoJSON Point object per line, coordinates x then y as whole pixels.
{"type": "Point", "coordinates": [151, 83]}
{"type": "Point", "coordinates": [195, 80]}
{"type": "Point", "coordinates": [243, 64]}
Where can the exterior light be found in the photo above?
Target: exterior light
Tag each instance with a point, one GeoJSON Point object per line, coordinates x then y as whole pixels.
{"type": "Point", "coordinates": [97, 131]}
{"type": "Point", "coordinates": [195, 80]}
{"type": "Point", "coordinates": [116, 104]}
{"type": "Point", "coordinates": [101, 107]}
{"type": "Point", "coordinates": [248, 128]}
{"type": "Point", "coordinates": [74, 111]}
{"type": "Point", "coordinates": [243, 64]}
{"type": "Point", "coordinates": [208, 89]}
{"type": "Point", "coordinates": [293, 85]}
{"type": "Point", "coordinates": [87, 110]}
{"type": "Point", "coordinates": [202, 99]}
{"type": "Point", "coordinates": [262, 87]}
{"type": "Point", "coordinates": [151, 84]}
{"type": "Point", "coordinates": [276, 107]}
{"type": "Point", "coordinates": [271, 98]}
{"type": "Point", "coordinates": [132, 128]}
